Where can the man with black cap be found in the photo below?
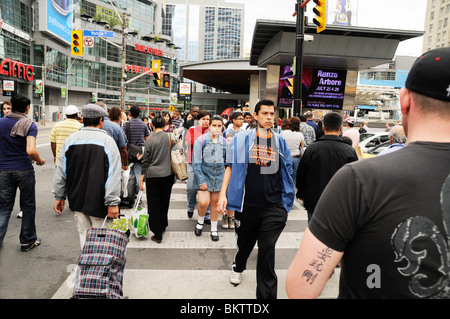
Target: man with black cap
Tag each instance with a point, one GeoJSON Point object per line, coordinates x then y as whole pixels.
{"type": "Point", "coordinates": [393, 241]}
{"type": "Point", "coordinates": [88, 173]}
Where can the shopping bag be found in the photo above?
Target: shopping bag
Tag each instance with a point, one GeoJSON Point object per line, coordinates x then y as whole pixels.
{"type": "Point", "coordinates": [178, 161]}
{"type": "Point", "coordinates": [101, 264]}
{"type": "Point", "coordinates": [139, 219]}
{"type": "Point", "coordinates": [125, 177]}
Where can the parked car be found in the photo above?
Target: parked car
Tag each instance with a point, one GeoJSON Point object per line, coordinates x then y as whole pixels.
{"type": "Point", "coordinates": [374, 140]}
{"type": "Point", "coordinates": [364, 136]}
{"type": "Point", "coordinates": [376, 150]}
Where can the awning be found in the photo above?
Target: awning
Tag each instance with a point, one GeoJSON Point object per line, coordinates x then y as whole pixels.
{"type": "Point", "coordinates": [366, 107]}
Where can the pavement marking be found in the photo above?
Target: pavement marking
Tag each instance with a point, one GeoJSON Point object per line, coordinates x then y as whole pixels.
{"type": "Point", "coordinates": [188, 240]}
{"type": "Point", "coordinates": [194, 284]}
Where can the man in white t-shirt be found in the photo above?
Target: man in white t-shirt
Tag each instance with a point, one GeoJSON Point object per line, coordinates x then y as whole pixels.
{"type": "Point", "coordinates": [351, 131]}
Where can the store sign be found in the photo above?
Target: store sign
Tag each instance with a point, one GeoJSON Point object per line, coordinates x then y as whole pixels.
{"type": "Point", "coordinates": [149, 50]}
{"type": "Point", "coordinates": [137, 69]}
{"type": "Point", "coordinates": [16, 69]}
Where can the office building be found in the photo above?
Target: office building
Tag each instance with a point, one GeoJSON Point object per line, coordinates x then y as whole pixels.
{"type": "Point", "coordinates": [437, 25]}
{"type": "Point", "coordinates": [35, 53]}
{"type": "Point", "coordinates": [205, 29]}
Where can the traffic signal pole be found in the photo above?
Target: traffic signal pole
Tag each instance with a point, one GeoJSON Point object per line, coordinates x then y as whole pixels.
{"type": "Point", "coordinates": [300, 35]}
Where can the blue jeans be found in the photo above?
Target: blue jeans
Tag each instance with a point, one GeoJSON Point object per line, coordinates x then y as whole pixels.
{"type": "Point", "coordinates": [295, 162]}
{"type": "Point", "coordinates": [25, 181]}
{"type": "Point", "coordinates": [310, 214]}
{"type": "Point", "coordinates": [136, 169]}
{"type": "Point", "coordinates": [191, 192]}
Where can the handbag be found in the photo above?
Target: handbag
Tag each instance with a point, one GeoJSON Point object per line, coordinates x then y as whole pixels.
{"type": "Point", "coordinates": [139, 219]}
{"type": "Point", "coordinates": [178, 162]}
{"type": "Point", "coordinates": [135, 152]}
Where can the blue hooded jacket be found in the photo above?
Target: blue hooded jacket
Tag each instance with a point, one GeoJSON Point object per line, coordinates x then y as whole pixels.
{"type": "Point", "coordinates": [238, 157]}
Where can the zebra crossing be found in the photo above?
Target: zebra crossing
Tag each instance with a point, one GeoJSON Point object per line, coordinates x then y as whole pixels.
{"type": "Point", "coordinates": [184, 266]}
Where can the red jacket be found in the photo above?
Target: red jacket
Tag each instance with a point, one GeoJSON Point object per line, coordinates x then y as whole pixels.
{"type": "Point", "coordinates": [192, 134]}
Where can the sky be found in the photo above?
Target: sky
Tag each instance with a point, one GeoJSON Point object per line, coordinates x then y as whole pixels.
{"type": "Point", "coordinates": [384, 14]}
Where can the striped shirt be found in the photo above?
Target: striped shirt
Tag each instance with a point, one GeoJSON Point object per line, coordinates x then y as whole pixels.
{"type": "Point", "coordinates": [61, 131]}
{"type": "Point", "coordinates": [138, 131]}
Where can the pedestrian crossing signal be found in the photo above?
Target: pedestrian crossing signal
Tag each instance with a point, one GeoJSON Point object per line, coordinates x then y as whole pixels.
{"type": "Point", "coordinates": [321, 15]}
{"type": "Point", "coordinates": [77, 42]}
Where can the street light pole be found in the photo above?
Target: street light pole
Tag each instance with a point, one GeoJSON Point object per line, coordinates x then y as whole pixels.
{"type": "Point", "coordinates": [122, 81]}
{"type": "Point", "coordinates": [300, 34]}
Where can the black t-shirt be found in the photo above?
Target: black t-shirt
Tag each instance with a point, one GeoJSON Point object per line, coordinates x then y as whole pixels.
{"type": "Point", "coordinates": [262, 183]}
{"type": "Point", "coordinates": [391, 217]}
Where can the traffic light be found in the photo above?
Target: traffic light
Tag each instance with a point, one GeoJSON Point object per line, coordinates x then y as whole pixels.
{"type": "Point", "coordinates": [77, 42]}
{"type": "Point", "coordinates": [321, 14]}
{"type": "Point", "coordinates": [166, 81]}
{"type": "Point", "coordinates": [157, 79]}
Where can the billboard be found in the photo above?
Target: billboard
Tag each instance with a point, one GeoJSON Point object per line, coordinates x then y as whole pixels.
{"type": "Point", "coordinates": [342, 12]}
{"type": "Point", "coordinates": [321, 88]}
{"type": "Point", "coordinates": [59, 17]}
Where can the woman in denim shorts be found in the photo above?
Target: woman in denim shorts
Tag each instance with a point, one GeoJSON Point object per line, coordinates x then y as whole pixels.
{"type": "Point", "coordinates": [208, 162]}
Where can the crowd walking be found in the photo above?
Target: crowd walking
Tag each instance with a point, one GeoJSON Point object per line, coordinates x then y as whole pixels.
{"type": "Point", "coordinates": [251, 174]}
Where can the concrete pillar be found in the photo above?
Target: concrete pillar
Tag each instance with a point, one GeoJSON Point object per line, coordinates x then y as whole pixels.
{"type": "Point", "coordinates": [254, 91]}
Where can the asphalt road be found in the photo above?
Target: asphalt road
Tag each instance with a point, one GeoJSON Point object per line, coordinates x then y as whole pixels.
{"type": "Point", "coordinates": [39, 272]}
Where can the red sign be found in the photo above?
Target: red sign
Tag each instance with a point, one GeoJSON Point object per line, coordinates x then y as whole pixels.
{"type": "Point", "coordinates": [137, 69]}
{"type": "Point", "coordinates": [149, 50]}
{"type": "Point", "coordinates": [17, 69]}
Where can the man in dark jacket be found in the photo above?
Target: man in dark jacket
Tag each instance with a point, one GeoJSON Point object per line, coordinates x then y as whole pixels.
{"type": "Point", "coordinates": [89, 173]}
{"type": "Point", "coordinates": [321, 161]}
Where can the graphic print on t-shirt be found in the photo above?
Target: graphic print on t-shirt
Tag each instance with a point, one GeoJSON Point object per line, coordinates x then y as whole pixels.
{"type": "Point", "coordinates": [418, 228]}
{"type": "Point", "coordinates": [264, 154]}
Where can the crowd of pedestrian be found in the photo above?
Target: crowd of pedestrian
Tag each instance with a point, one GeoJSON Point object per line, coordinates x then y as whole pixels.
{"type": "Point", "coordinates": [250, 172]}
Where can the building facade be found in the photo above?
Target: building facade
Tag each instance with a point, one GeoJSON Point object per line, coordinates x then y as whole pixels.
{"type": "Point", "coordinates": [205, 29]}
{"type": "Point", "coordinates": [37, 36]}
{"type": "Point", "coordinates": [437, 25]}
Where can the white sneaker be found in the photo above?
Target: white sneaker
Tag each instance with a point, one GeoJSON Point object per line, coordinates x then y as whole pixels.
{"type": "Point", "coordinates": [20, 214]}
{"type": "Point", "coordinates": [235, 278]}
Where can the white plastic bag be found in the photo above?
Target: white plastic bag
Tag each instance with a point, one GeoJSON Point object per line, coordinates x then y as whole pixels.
{"type": "Point", "coordinates": [125, 177]}
{"type": "Point", "coordinates": [139, 219]}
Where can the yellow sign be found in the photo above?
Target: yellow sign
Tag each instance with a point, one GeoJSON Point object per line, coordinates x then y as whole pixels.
{"type": "Point", "coordinates": [171, 108]}
{"type": "Point", "coordinates": [156, 65]}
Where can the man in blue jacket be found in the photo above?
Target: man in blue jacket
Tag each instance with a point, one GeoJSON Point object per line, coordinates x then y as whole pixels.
{"type": "Point", "coordinates": [257, 184]}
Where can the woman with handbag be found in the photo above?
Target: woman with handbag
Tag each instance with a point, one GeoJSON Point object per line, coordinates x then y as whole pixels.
{"type": "Point", "coordinates": [208, 162]}
{"type": "Point", "coordinates": [158, 176]}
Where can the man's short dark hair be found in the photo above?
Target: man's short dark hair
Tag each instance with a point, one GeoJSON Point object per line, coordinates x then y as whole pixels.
{"type": "Point", "coordinates": [302, 118]}
{"type": "Point", "coordinates": [91, 121]}
{"type": "Point", "coordinates": [235, 115]}
{"type": "Point", "coordinates": [19, 103]}
{"type": "Point", "coordinates": [135, 111]}
{"type": "Point", "coordinates": [72, 116]}
{"type": "Point", "coordinates": [263, 102]}
{"type": "Point", "coordinates": [332, 122]}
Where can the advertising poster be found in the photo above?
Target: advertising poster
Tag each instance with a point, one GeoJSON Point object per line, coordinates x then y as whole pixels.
{"type": "Point", "coordinates": [321, 88]}
{"type": "Point", "coordinates": [343, 12]}
{"type": "Point", "coordinates": [59, 18]}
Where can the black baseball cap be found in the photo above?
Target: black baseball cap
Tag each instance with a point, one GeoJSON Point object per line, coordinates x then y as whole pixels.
{"type": "Point", "coordinates": [430, 75]}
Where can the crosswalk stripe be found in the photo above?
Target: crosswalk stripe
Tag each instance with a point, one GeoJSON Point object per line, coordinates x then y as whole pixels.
{"type": "Point", "coordinates": [196, 283]}
{"type": "Point", "coordinates": [181, 214]}
{"type": "Point", "coordinates": [188, 240]}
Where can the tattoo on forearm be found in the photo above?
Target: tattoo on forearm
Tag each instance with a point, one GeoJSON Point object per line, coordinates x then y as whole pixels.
{"type": "Point", "coordinates": [317, 265]}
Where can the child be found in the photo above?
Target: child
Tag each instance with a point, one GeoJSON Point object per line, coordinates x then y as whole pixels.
{"type": "Point", "coordinates": [208, 163]}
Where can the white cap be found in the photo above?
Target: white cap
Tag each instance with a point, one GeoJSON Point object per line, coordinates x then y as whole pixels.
{"type": "Point", "coordinates": [71, 109]}
{"type": "Point", "coordinates": [350, 120]}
